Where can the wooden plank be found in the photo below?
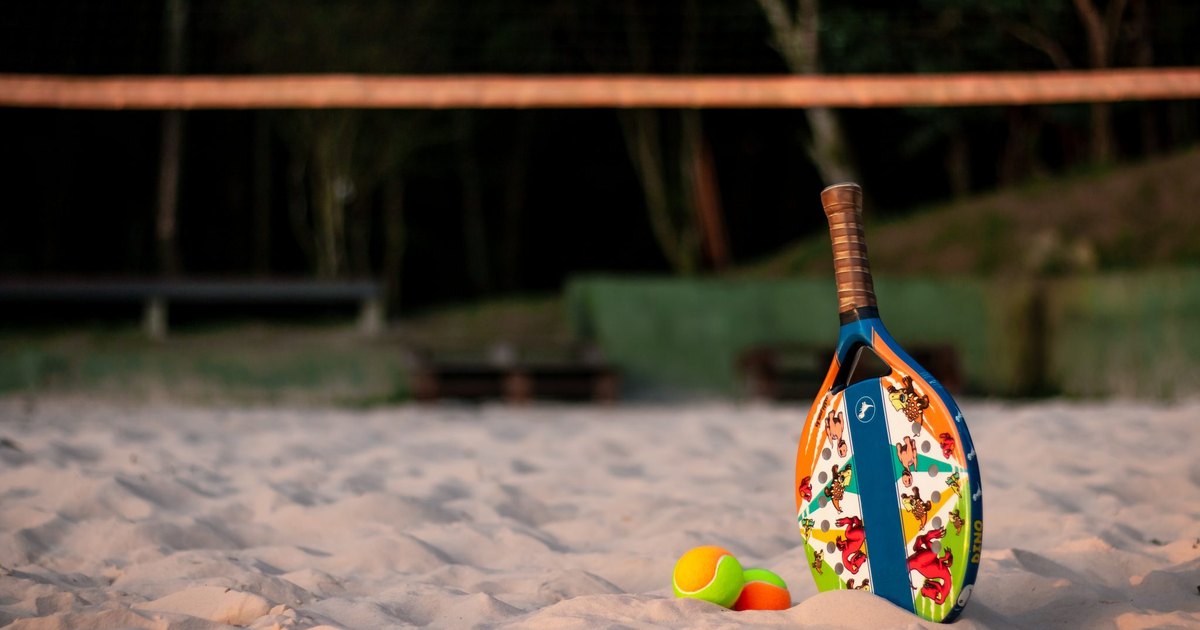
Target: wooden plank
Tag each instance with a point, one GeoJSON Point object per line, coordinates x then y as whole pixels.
{"type": "Point", "coordinates": [569, 377]}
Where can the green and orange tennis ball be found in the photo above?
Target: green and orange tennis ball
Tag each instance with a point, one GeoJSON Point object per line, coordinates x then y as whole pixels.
{"type": "Point", "coordinates": [712, 574]}
{"type": "Point", "coordinates": [763, 591]}
{"type": "Point", "coordinates": [709, 573]}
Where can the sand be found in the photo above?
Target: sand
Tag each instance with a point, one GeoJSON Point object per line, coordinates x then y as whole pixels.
{"type": "Point", "coordinates": [134, 516]}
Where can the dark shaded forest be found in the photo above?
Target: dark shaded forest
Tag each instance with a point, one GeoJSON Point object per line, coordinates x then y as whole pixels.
{"type": "Point", "coordinates": [459, 205]}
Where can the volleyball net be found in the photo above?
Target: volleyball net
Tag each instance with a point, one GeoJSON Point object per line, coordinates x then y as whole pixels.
{"type": "Point", "coordinates": [329, 91]}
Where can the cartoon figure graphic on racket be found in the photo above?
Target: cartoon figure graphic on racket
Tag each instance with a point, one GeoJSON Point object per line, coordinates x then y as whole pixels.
{"type": "Point", "coordinates": [917, 507]}
{"type": "Point", "coordinates": [957, 521]}
{"type": "Point", "coordinates": [836, 489]}
{"type": "Point", "coordinates": [852, 543]}
{"type": "Point", "coordinates": [835, 425]}
{"type": "Point", "coordinates": [946, 441]}
{"type": "Point", "coordinates": [952, 482]}
{"type": "Point", "coordinates": [806, 524]}
{"type": "Point", "coordinates": [906, 400]}
{"type": "Point", "coordinates": [906, 452]}
{"type": "Point", "coordinates": [934, 569]}
{"type": "Point", "coordinates": [865, 586]}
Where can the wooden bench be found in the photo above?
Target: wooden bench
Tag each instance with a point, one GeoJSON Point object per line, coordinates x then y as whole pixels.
{"type": "Point", "coordinates": [797, 371]}
{"type": "Point", "coordinates": [783, 371]}
{"type": "Point", "coordinates": [576, 374]}
{"type": "Point", "coordinates": [156, 295]}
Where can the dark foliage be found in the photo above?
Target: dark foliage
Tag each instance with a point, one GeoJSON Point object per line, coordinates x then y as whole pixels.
{"type": "Point", "coordinates": [554, 192]}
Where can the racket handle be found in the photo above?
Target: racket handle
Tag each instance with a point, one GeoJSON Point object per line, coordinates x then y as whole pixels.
{"type": "Point", "coordinates": [856, 291]}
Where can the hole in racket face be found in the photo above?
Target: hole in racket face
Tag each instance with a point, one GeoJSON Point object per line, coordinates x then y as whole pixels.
{"type": "Point", "coordinates": [863, 365]}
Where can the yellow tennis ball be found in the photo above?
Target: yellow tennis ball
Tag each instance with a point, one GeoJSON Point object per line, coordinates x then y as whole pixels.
{"type": "Point", "coordinates": [708, 573]}
{"type": "Point", "coordinates": [763, 591]}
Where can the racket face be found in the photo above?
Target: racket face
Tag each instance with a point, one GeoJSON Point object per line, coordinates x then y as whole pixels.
{"type": "Point", "coordinates": [887, 483]}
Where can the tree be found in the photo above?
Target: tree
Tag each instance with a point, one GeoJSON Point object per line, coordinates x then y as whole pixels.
{"type": "Point", "coordinates": [383, 160]}
{"type": "Point", "coordinates": [672, 159]}
{"type": "Point", "coordinates": [797, 39]}
{"type": "Point", "coordinates": [664, 190]}
{"type": "Point", "coordinates": [1102, 29]}
{"type": "Point", "coordinates": [346, 173]}
{"type": "Point", "coordinates": [323, 142]}
{"type": "Point", "coordinates": [166, 220]}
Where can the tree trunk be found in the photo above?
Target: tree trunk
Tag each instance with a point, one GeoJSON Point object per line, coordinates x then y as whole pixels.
{"type": "Point", "coordinates": [358, 236]}
{"type": "Point", "coordinates": [1103, 140]}
{"type": "Point", "coordinates": [674, 230]}
{"type": "Point", "coordinates": [1102, 32]}
{"type": "Point", "coordinates": [262, 195]}
{"type": "Point", "coordinates": [474, 222]}
{"type": "Point", "coordinates": [166, 225]}
{"type": "Point", "coordinates": [1143, 56]}
{"type": "Point", "coordinates": [515, 186]}
{"type": "Point", "coordinates": [796, 34]}
{"type": "Point", "coordinates": [394, 240]}
{"type": "Point", "coordinates": [1019, 159]}
{"type": "Point", "coordinates": [327, 221]}
{"type": "Point", "coordinates": [298, 207]}
{"type": "Point", "coordinates": [166, 221]}
{"type": "Point", "coordinates": [646, 138]}
{"type": "Point", "coordinates": [958, 162]}
{"type": "Point", "coordinates": [706, 196]}
{"type": "Point", "coordinates": [828, 150]}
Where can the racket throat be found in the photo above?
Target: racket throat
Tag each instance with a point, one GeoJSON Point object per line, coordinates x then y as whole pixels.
{"type": "Point", "coordinates": [862, 364]}
{"type": "Point", "coordinates": [858, 314]}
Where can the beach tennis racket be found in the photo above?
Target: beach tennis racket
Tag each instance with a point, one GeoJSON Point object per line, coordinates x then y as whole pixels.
{"type": "Point", "coordinates": [887, 483]}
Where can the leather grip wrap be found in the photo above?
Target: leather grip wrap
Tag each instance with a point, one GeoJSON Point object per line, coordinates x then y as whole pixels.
{"type": "Point", "coordinates": [843, 208]}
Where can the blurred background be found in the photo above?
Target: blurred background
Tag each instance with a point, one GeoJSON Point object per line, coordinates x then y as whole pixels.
{"type": "Point", "coordinates": [359, 256]}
